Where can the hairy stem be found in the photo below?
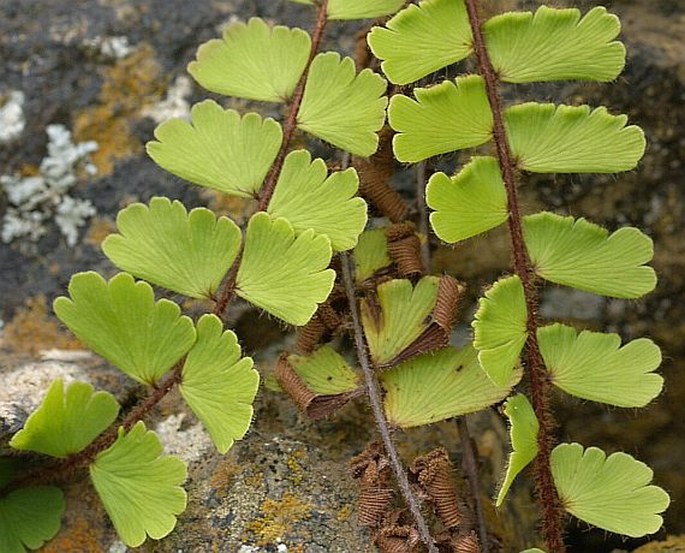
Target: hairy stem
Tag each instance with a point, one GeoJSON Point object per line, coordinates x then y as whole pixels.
{"type": "Point", "coordinates": [56, 472]}
{"type": "Point", "coordinates": [469, 465]}
{"type": "Point", "coordinates": [552, 515]}
{"type": "Point", "coordinates": [374, 394]}
{"type": "Point", "coordinates": [291, 119]}
{"type": "Point", "coordinates": [228, 290]}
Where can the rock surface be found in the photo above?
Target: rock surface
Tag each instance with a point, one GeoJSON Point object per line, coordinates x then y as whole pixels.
{"type": "Point", "coordinates": [106, 68]}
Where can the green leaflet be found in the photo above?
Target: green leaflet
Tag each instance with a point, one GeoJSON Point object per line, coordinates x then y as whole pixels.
{"type": "Point", "coordinates": [29, 517]}
{"type": "Point", "coordinates": [303, 184]}
{"type": "Point", "coordinates": [142, 497]}
{"type": "Point", "coordinates": [163, 244]}
{"type": "Point", "coordinates": [471, 202]}
{"type": "Point", "coordinates": [592, 365]}
{"type": "Point", "coordinates": [325, 372]}
{"type": "Point", "coordinates": [402, 317]}
{"type": "Point", "coordinates": [219, 149]}
{"type": "Point", "coordinates": [253, 61]}
{"type": "Point", "coordinates": [121, 321]}
{"type": "Point", "coordinates": [282, 273]}
{"type": "Point", "coordinates": [357, 9]}
{"type": "Point", "coordinates": [580, 254]}
{"type": "Point", "coordinates": [342, 107]}
{"type": "Point", "coordinates": [436, 386]}
{"type": "Point", "coordinates": [609, 492]}
{"type": "Point", "coordinates": [500, 328]}
{"type": "Point", "coordinates": [524, 433]}
{"type": "Point", "coordinates": [443, 118]}
{"type": "Point", "coordinates": [218, 384]}
{"type": "Point", "coordinates": [545, 138]}
{"type": "Point", "coordinates": [371, 254]}
{"type": "Point", "coordinates": [421, 39]}
{"type": "Point", "coordinates": [66, 421]}
{"type": "Point", "coordinates": [554, 45]}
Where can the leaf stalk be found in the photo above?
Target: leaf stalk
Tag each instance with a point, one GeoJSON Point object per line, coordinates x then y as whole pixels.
{"type": "Point", "coordinates": [374, 394]}
{"type": "Point", "coordinates": [552, 514]}
{"type": "Point", "coordinates": [294, 108]}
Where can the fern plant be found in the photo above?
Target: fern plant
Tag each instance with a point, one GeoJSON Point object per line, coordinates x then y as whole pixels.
{"type": "Point", "coordinates": [612, 492]}
{"type": "Point", "coordinates": [305, 258]}
{"type": "Point", "coordinates": [279, 262]}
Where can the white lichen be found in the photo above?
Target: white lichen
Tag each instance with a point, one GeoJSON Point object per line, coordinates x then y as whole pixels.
{"type": "Point", "coordinates": [111, 47]}
{"type": "Point", "coordinates": [12, 120]}
{"type": "Point", "coordinates": [35, 200]}
{"type": "Point", "coordinates": [175, 105]}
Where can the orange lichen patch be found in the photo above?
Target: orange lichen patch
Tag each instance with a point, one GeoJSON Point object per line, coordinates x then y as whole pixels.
{"type": "Point", "coordinates": [254, 479]}
{"type": "Point", "coordinates": [99, 229]}
{"type": "Point", "coordinates": [84, 528]}
{"type": "Point", "coordinates": [33, 329]}
{"type": "Point", "coordinates": [224, 475]}
{"type": "Point", "coordinates": [132, 84]}
{"type": "Point", "coordinates": [277, 518]}
{"type": "Point", "coordinates": [112, 134]}
{"type": "Point", "coordinates": [294, 463]}
{"type": "Point", "coordinates": [81, 536]}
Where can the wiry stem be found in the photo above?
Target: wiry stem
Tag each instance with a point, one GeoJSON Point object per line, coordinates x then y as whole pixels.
{"type": "Point", "coordinates": [551, 509]}
{"type": "Point", "coordinates": [228, 290]}
{"type": "Point", "coordinates": [374, 394]}
{"type": "Point", "coordinates": [291, 119]}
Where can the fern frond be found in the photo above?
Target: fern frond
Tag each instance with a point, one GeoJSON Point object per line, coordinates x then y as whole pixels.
{"type": "Point", "coordinates": [404, 310]}
{"type": "Point", "coordinates": [143, 498]}
{"type": "Point", "coordinates": [554, 45]}
{"type": "Point", "coordinates": [67, 420]}
{"type": "Point", "coordinates": [219, 149]}
{"type": "Point", "coordinates": [29, 517]}
{"type": "Point", "coordinates": [500, 330]}
{"type": "Point", "coordinates": [371, 254]}
{"type": "Point", "coordinates": [580, 254]}
{"type": "Point", "coordinates": [357, 9]}
{"type": "Point", "coordinates": [523, 433]}
{"type": "Point", "coordinates": [611, 492]}
{"type": "Point", "coordinates": [546, 138]}
{"type": "Point", "coordinates": [593, 365]}
{"type": "Point", "coordinates": [421, 39]}
{"type": "Point", "coordinates": [338, 212]}
{"type": "Point", "coordinates": [253, 61]}
{"type": "Point", "coordinates": [437, 386]}
{"type": "Point", "coordinates": [449, 116]}
{"type": "Point", "coordinates": [121, 321]}
{"type": "Point", "coordinates": [284, 274]}
{"type": "Point", "coordinates": [341, 106]}
{"type": "Point", "coordinates": [188, 253]}
{"type": "Point", "coordinates": [471, 202]}
{"type": "Point", "coordinates": [218, 384]}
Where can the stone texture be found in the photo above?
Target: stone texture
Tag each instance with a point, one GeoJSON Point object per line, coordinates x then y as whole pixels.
{"type": "Point", "coordinates": [272, 485]}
